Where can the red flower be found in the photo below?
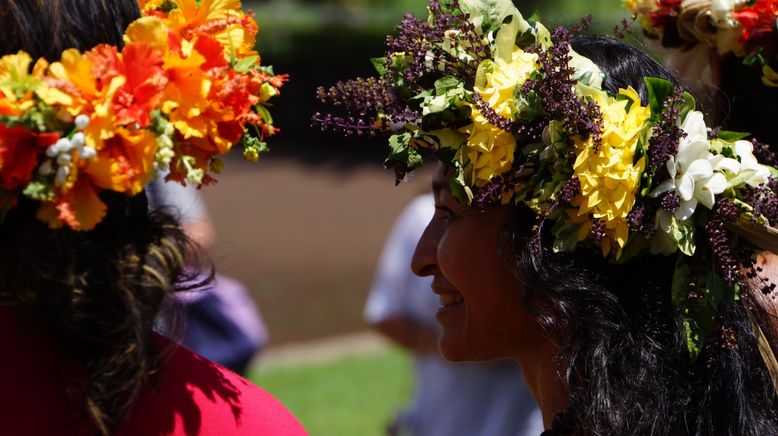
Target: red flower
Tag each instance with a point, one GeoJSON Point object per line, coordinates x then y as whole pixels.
{"type": "Point", "coordinates": [667, 14]}
{"type": "Point", "coordinates": [19, 151]}
{"type": "Point", "coordinates": [758, 18]}
{"type": "Point", "coordinates": [143, 68]}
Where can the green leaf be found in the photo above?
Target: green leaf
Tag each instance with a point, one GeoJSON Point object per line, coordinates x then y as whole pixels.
{"type": "Point", "coordinates": [689, 104]}
{"type": "Point", "coordinates": [679, 290]}
{"type": "Point", "coordinates": [39, 190]}
{"type": "Point", "coordinates": [380, 65]}
{"type": "Point", "coordinates": [264, 113]}
{"type": "Point", "coordinates": [403, 157]}
{"type": "Point", "coordinates": [741, 178]}
{"type": "Point", "coordinates": [658, 91]}
{"type": "Point", "coordinates": [488, 15]}
{"type": "Point", "coordinates": [506, 38]}
{"type": "Point", "coordinates": [565, 236]}
{"type": "Point", "coordinates": [682, 233]}
{"type": "Point", "coordinates": [529, 106]}
{"type": "Point", "coordinates": [448, 83]}
{"type": "Point", "coordinates": [246, 64]}
{"type": "Point", "coordinates": [728, 136]}
{"type": "Point", "coordinates": [459, 188]}
{"type": "Point", "coordinates": [448, 138]}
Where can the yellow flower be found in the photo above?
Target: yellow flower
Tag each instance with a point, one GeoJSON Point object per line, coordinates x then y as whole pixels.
{"type": "Point", "coordinates": [769, 76]}
{"type": "Point", "coordinates": [489, 149]}
{"type": "Point", "coordinates": [147, 6]}
{"type": "Point", "coordinates": [609, 176]}
{"type": "Point", "coordinates": [497, 81]}
{"type": "Point", "coordinates": [17, 83]}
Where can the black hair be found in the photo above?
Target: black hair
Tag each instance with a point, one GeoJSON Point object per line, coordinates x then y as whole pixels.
{"type": "Point", "coordinates": [747, 104]}
{"type": "Point", "coordinates": [45, 28]}
{"type": "Point", "coordinates": [621, 338]}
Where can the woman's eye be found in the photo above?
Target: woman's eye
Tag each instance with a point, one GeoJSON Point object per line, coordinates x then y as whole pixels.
{"type": "Point", "coordinates": [445, 213]}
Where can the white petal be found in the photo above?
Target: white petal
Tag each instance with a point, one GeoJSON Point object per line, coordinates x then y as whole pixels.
{"type": "Point", "coordinates": [744, 147]}
{"type": "Point", "coordinates": [694, 124]}
{"type": "Point", "coordinates": [721, 163]}
{"type": "Point", "coordinates": [686, 210]}
{"type": "Point", "coordinates": [717, 183]}
{"type": "Point", "coordinates": [671, 167]}
{"type": "Point", "coordinates": [745, 151]}
{"type": "Point", "coordinates": [685, 189]}
{"type": "Point", "coordinates": [761, 176]}
{"type": "Point", "coordinates": [663, 220]}
{"type": "Point", "coordinates": [667, 185]}
{"type": "Point", "coordinates": [704, 196]}
{"type": "Point", "coordinates": [693, 151]}
{"type": "Point", "coordinates": [700, 169]}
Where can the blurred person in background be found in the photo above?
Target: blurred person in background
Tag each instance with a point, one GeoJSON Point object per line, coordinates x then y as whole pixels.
{"type": "Point", "coordinates": [84, 266]}
{"type": "Point", "coordinates": [449, 399]}
{"type": "Point", "coordinates": [222, 323]}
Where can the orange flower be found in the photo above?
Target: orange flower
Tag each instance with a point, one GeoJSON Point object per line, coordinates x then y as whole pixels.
{"type": "Point", "coordinates": [80, 208]}
{"type": "Point", "coordinates": [125, 162]}
{"type": "Point", "coordinates": [221, 19]}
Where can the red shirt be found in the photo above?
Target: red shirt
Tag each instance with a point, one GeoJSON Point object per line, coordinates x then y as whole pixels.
{"type": "Point", "coordinates": [193, 397]}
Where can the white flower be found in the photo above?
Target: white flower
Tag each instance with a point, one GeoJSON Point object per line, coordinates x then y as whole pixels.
{"type": "Point", "coordinates": [82, 122]}
{"type": "Point", "coordinates": [745, 151]}
{"type": "Point", "coordinates": [721, 12]}
{"type": "Point", "coordinates": [692, 175]}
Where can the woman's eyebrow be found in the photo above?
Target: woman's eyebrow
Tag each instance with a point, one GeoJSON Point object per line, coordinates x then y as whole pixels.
{"type": "Point", "coordinates": [438, 184]}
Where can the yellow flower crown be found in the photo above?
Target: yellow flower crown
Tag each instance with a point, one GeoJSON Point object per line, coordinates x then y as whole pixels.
{"type": "Point", "coordinates": [183, 90]}
{"type": "Point", "coordinates": [520, 118]}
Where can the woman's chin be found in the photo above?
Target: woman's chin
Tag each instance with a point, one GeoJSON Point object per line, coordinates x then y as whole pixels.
{"type": "Point", "coordinates": [456, 349]}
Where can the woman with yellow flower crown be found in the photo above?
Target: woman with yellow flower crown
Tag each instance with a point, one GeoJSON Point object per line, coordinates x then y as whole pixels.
{"type": "Point", "coordinates": [588, 225]}
{"type": "Point", "coordinates": [84, 267]}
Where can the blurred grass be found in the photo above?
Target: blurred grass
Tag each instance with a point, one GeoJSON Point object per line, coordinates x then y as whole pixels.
{"type": "Point", "coordinates": [350, 396]}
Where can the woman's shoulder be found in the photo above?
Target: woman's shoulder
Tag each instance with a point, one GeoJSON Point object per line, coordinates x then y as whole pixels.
{"type": "Point", "coordinates": [197, 396]}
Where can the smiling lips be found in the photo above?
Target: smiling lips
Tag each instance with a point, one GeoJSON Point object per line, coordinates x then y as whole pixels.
{"type": "Point", "coordinates": [451, 299]}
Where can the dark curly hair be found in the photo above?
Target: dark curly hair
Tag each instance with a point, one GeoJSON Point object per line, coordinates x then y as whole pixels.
{"type": "Point", "coordinates": [628, 369]}
{"type": "Point", "coordinates": [98, 292]}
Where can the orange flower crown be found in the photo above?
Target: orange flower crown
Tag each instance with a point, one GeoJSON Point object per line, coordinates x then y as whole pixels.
{"type": "Point", "coordinates": [184, 89]}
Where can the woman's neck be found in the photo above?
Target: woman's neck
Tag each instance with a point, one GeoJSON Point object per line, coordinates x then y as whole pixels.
{"type": "Point", "coordinates": [544, 378]}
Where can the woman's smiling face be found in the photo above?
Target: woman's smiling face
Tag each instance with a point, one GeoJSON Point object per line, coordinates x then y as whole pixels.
{"type": "Point", "coordinates": [481, 311]}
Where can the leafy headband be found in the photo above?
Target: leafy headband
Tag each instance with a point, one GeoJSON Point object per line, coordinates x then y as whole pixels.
{"type": "Point", "coordinates": [186, 86]}
{"type": "Point", "coordinates": [746, 28]}
{"type": "Point", "coordinates": [520, 118]}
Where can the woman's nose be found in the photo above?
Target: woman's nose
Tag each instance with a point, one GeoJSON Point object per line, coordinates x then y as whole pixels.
{"type": "Point", "coordinates": [424, 259]}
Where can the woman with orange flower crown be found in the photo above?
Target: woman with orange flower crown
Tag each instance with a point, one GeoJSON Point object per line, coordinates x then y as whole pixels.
{"type": "Point", "coordinates": [119, 92]}
{"type": "Point", "coordinates": [588, 224]}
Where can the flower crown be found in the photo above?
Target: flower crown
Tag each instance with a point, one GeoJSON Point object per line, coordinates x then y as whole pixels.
{"type": "Point", "coordinates": [746, 28]}
{"type": "Point", "coordinates": [520, 118]}
{"type": "Point", "coordinates": [186, 86]}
